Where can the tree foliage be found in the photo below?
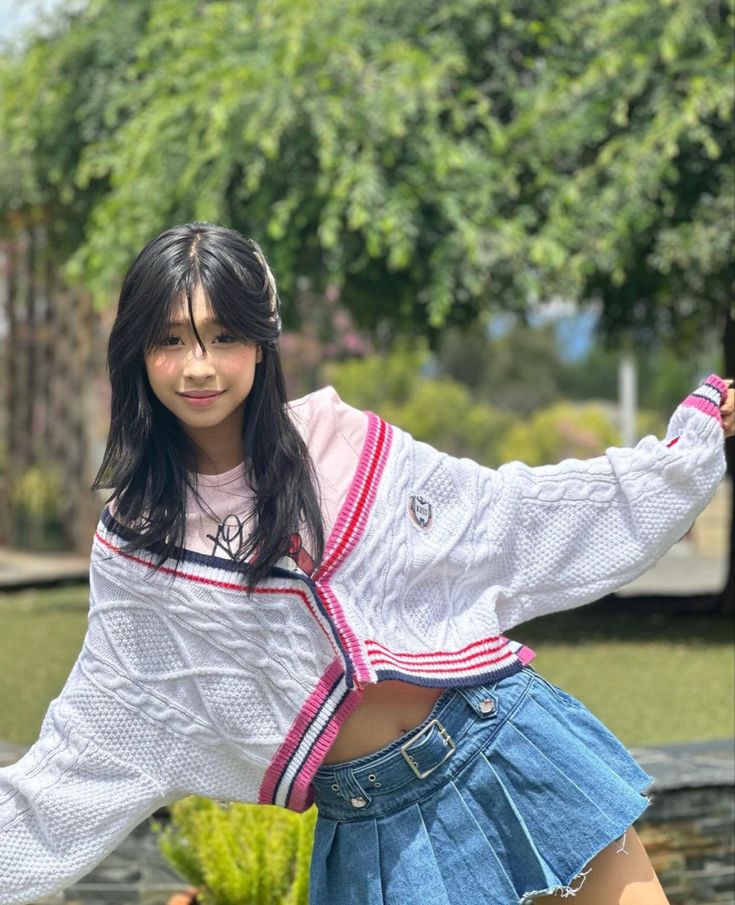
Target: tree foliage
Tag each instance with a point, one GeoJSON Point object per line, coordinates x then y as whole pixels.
{"type": "Point", "coordinates": [432, 160]}
{"type": "Point", "coordinates": [626, 143]}
{"type": "Point", "coordinates": [59, 94]}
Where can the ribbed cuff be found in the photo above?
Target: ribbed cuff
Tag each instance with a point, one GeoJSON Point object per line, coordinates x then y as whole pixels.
{"type": "Point", "coordinates": [709, 396]}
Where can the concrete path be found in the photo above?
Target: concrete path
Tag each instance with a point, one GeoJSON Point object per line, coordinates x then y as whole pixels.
{"type": "Point", "coordinates": [20, 569]}
{"type": "Point", "coordinates": [680, 572]}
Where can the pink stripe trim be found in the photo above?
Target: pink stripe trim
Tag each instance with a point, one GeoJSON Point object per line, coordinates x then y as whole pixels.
{"type": "Point", "coordinates": [494, 641]}
{"type": "Point", "coordinates": [299, 728]}
{"type": "Point", "coordinates": [302, 796]}
{"type": "Point", "coordinates": [348, 529]}
{"type": "Point", "coordinates": [526, 654]}
{"type": "Point", "coordinates": [719, 384]}
{"type": "Point", "coordinates": [704, 405]}
{"type": "Point", "coordinates": [420, 669]}
{"type": "Point", "coordinates": [361, 493]}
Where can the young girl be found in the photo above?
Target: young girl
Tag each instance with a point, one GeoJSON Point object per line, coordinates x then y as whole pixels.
{"type": "Point", "coordinates": [298, 603]}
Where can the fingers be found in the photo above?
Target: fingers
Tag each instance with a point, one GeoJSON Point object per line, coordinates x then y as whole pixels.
{"type": "Point", "coordinates": [727, 411]}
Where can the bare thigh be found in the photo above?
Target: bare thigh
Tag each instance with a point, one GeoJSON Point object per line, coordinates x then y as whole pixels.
{"type": "Point", "coordinates": [617, 878]}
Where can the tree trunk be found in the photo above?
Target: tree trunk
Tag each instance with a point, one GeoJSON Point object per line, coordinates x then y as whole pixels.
{"type": "Point", "coordinates": [728, 593]}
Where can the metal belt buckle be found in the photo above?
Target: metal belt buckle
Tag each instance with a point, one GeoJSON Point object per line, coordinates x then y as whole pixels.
{"type": "Point", "coordinates": [445, 736]}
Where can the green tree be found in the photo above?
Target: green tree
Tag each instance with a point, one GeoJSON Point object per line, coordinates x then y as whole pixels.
{"type": "Point", "coordinates": [59, 92]}
{"type": "Point", "coordinates": [519, 370]}
{"type": "Point", "coordinates": [350, 137]}
{"type": "Point", "coordinates": [433, 161]}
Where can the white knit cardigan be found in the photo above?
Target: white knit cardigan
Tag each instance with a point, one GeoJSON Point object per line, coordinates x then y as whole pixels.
{"type": "Point", "coordinates": [184, 686]}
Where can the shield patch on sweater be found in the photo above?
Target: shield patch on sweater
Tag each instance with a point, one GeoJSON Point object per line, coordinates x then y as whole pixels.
{"type": "Point", "coordinates": [420, 511]}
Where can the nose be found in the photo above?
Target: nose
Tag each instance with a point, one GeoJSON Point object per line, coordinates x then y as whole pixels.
{"type": "Point", "coordinates": [198, 365]}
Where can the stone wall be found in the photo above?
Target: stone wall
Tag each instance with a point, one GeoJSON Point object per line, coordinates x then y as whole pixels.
{"type": "Point", "coordinates": [688, 831]}
{"type": "Point", "coordinates": [689, 828]}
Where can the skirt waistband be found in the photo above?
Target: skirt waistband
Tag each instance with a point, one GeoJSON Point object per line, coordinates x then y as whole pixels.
{"type": "Point", "coordinates": [461, 721]}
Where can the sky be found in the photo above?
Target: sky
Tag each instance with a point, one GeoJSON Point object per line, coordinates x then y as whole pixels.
{"type": "Point", "coordinates": [15, 14]}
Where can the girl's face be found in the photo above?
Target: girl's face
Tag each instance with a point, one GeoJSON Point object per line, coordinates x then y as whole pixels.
{"type": "Point", "coordinates": [177, 366]}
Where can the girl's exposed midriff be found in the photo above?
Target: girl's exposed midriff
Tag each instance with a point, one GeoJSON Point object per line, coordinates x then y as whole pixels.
{"type": "Point", "coordinates": [386, 711]}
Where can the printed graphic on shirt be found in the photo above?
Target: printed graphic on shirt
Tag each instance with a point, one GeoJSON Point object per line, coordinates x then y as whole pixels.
{"type": "Point", "coordinates": [230, 538]}
{"type": "Point", "coordinates": [420, 511]}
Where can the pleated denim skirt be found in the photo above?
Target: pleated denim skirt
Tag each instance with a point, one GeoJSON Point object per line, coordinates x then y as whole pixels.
{"type": "Point", "coordinates": [504, 792]}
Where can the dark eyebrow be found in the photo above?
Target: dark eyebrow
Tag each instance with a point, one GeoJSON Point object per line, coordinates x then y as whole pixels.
{"type": "Point", "coordinates": [206, 323]}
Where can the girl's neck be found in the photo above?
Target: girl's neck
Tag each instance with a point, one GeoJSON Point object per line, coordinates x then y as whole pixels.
{"type": "Point", "coordinates": [220, 467]}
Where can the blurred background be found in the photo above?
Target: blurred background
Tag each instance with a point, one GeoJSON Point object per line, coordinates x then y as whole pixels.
{"type": "Point", "coordinates": [505, 226]}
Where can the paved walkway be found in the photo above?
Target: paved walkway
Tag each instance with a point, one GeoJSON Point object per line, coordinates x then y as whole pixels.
{"type": "Point", "coordinates": [679, 572]}
{"type": "Point", "coordinates": [20, 569]}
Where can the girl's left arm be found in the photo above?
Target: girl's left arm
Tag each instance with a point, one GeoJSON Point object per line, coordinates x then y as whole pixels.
{"type": "Point", "coordinates": [513, 543]}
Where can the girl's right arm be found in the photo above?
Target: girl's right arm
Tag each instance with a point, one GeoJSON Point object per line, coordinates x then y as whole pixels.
{"type": "Point", "coordinates": [507, 545]}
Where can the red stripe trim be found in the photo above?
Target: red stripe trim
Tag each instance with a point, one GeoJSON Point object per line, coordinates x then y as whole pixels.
{"type": "Point", "coordinates": [230, 586]}
{"type": "Point", "coordinates": [472, 660]}
{"type": "Point", "coordinates": [347, 531]}
{"type": "Point", "coordinates": [483, 642]}
{"type": "Point", "coordinates": [444, 670]}
{"type": "Point", "coordinates": [331, 560]}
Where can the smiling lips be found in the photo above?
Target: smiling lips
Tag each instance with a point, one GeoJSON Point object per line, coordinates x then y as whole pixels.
{"type": "Point", "coordinates": [200, 394]}
{"type": "Point", "coordinates": [201, 397]}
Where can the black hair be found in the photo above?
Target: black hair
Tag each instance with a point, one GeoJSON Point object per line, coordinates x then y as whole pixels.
{"type": "Point", "coordinates": [149, 460]}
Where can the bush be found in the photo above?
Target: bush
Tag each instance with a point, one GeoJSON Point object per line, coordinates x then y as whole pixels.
{"type": "Point", "coordinates": [439, 411]}
{"type": "Point", "coordinates": [443, 412]}
{"type": "Point", "coordinates": [34, 507]}
{"type": "Point", "coordinates": [569, 430]}
{"type": "Point", "coordinates": [242, 854]}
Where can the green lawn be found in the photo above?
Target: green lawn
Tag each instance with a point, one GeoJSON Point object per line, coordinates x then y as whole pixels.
{"type": "Point", "coordinates": [652, 678]}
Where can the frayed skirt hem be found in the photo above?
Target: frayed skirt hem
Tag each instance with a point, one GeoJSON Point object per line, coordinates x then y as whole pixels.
{"type": "Point", "coordinates": [565, 889]}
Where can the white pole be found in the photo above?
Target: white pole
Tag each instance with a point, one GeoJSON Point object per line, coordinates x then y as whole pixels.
{"type": "Point", "coordinates": [627, 397]}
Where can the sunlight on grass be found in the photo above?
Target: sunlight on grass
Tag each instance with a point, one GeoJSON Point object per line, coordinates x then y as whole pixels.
{"type": "Point", "coordinates": [41, 634]}
{"type": "Point", "coordinates": [651, 677]}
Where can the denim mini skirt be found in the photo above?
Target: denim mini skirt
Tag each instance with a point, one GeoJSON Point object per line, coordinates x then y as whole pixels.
{"type": "Point", "coordinates": [504, 792]}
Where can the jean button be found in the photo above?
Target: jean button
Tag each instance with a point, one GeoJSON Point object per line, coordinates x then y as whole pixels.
{"type": "Point", "coordinates": [487, 705]}
{"type": "Point", "coordinates": [358, 802]}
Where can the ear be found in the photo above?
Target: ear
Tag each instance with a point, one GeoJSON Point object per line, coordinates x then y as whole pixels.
{"type": "Point", "coordinates": [259, 356]}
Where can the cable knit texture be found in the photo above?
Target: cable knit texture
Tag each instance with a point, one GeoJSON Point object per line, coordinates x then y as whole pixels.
{"type": "Point", "coordinates": [185, 686]}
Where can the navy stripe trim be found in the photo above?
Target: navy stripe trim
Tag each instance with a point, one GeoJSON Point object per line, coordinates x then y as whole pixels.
{"type": "Point", "coordinates": [452, 681]}
{"type": "Point", "coordinates": [304, 758]}
{"type": "Point", "coordinates": [229, 565]}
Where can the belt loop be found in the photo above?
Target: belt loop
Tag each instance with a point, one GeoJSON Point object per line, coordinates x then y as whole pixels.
{"type": "Point", "coordinates": [344, 777]}
{"type": "Point", "coordinates": [483, 699]}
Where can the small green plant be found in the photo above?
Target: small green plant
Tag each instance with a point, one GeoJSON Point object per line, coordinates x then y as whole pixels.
{"type": "Point", "coordinates": [34, 504]}
{"type": "Point", "coordinates": [241, 854]}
